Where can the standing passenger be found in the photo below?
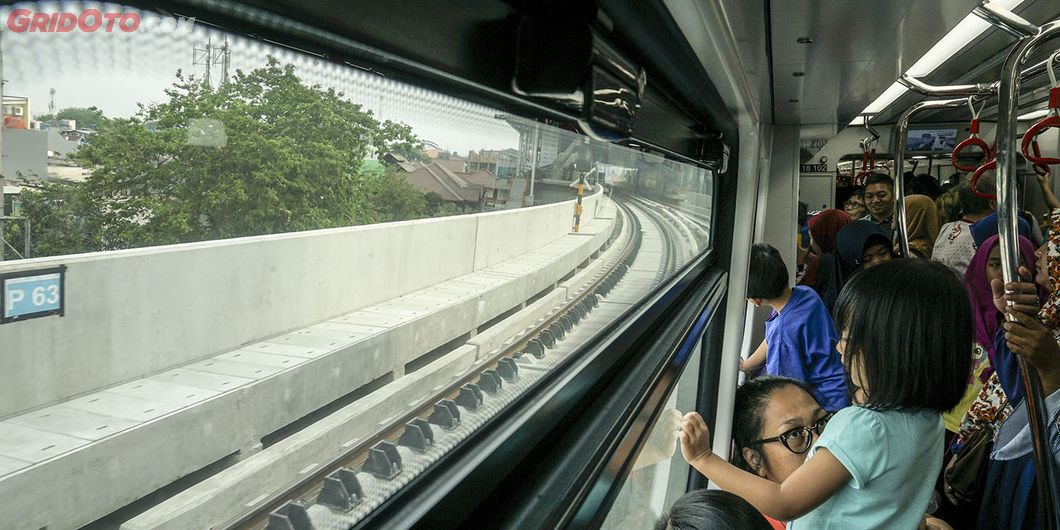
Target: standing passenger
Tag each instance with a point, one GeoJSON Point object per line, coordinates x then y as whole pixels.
{"type": "Point", "coordinates": [824, 227]}
{"type": "Point", "coordinates": [800, 336]}
{"type": "Point", "coordinates": [875, 464]}
{"type": "Point", "coordinates": [955, 245]}
{"type": "Point", "coordinates": [860, 244]}
{"type": "Point", "coordinates": [774, 422]}
{"type": "Point", "coordinates": [987, 226]}
{"type": "Point", "coordinates": [1010, 497]}
{"type": "Point", "coordinates": [985, 267]}
{"type": "Point", "coordinates": [949, 203]}
{"type": "Point", "coordinates": [855, 204]}
{"type": "Point", "coordinates": [922, 220]}
{"type": "Point", "coordinates": [879, 198]}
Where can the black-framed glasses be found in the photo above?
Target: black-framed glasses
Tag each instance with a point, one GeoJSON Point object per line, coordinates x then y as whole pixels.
{"type": "Point", "coordinates": [799, 439]}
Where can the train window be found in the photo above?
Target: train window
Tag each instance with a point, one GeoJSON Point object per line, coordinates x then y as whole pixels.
{"type": "Point", "coordinates": [225, 244]}
{"type": "Point", "coordinates": [660, 474]}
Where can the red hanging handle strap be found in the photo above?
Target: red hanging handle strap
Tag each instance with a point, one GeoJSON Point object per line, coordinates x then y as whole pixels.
{"type": "Point", "coordinates": [988, 166]}
{"type": "Point", "coordinates": [868, 163]}
{"type": "Point", "coordinates": [1030, 138]}
{"type": "Point", "coordinates": [973, 141]}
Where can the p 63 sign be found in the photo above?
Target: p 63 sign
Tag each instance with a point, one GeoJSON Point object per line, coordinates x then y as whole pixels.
{"type": "Point", "coordinates": [31, 294]}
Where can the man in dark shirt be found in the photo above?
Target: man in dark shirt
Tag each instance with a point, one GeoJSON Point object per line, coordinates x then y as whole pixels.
{"type": "Point", "coordinates": [879, 199]}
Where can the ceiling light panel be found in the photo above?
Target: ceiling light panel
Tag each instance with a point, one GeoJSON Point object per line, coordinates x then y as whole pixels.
{"type": "Point", "coordinates": [966, 31]}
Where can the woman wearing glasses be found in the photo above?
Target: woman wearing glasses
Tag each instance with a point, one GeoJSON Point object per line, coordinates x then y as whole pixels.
{"type": "Point", "coordinates": [855, 204]}
{"type": "Point", "coordinates": [775, 422]}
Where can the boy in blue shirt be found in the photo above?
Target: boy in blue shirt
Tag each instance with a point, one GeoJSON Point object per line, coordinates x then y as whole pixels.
{"type": "Point", "coordinates": [800, 335]}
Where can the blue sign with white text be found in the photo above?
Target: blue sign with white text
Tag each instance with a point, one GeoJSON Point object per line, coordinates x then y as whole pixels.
{"type": "Point", "coordinates": [31, 294]}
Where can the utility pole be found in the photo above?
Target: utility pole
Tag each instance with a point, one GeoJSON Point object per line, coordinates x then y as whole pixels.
{"type": "Point", "coordinates": [51, 101]}
{"type": "Point", "coordinates": [533, 163]}
{"type": "Point", "coordinates": [578, 206]}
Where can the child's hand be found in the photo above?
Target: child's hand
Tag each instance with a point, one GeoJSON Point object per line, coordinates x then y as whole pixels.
{"type": "Point", "coordinates": [695, 438]}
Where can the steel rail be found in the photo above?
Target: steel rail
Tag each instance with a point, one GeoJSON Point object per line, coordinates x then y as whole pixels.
{"type": "Point", "coordinates": [307, 488]}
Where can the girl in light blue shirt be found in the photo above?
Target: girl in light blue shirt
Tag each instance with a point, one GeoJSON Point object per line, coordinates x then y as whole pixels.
{"type": "Point", "coordinates": [906, 333]}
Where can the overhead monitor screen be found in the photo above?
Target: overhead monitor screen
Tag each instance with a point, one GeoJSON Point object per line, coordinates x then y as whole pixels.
{"type": "Point", "coordinates": [931, 139]}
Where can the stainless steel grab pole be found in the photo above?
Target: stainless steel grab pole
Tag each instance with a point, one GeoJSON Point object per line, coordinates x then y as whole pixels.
{"type": "Point", "coordinates": [898, 148]}
{"type": "Point", "coordinates": [1007, 212]}
{"type": "Point", "coordinates": [1005, 20]}
{"type": "Point", "coordinates": [979, 89]}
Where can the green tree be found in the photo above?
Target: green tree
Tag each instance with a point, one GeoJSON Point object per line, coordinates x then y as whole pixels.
{"type": "Point", "coordinates": [439, 207]}
{"type": "Point", "coordinates": [398, 138]}
{"type": "Point", "coordinates": [87, 118]}
{"type": "Point", "coordinates": [64, 220]}
{"type": "Point", "coordinates": [264, 153]}
{"type": "Point", "coordinates": [395, 199]}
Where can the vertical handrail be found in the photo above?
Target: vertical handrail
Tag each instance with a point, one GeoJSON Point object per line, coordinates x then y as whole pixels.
{"type": "Point", "coordinates": [1007, 149]}
{"type": "Point", "coordinates": [901, 129]}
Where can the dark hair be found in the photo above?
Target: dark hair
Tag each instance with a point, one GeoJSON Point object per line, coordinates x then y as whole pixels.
{"type": "Point", "coordinates": [711, 510]}
{"type": "Point", "coordinates": [804, 215]}
{"type": "Point", "coordinates": [972, 204]}
{"type": "Point", "coordinates": [880, 178]}
{"type": "Point", "coordinates": [908, 325]}
{"type": "Point", "coordinates": [924, 184]}
{"type": "Point", "coordinates": [768, 276]}
{"type": "Point", "coordinates": [751, 400]}
{"type": "Point", "coordinates": [857, 192]}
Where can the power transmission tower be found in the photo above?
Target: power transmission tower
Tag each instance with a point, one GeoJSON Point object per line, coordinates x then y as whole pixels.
{"type": "Point", "coordinates": [203, 57]}
{"type": "Point", "coordinates": [225, 57]}
{"type": "Point", "coordinates": [213, 55]}
{"type": "Point", "coordinates": [51, 101]}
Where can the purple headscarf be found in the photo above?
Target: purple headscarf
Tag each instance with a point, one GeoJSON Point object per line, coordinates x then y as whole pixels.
{"type": "Point", "coordinates": [985, 315]}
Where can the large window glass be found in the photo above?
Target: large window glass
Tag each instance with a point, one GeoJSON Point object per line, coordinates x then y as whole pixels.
{"type": "Point", "coordinates": [211, 241]}
{"type": "Point", "coordinates": [660, 474]}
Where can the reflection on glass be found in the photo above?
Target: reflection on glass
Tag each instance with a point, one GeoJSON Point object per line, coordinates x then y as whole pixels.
{"type": "Point", "coordinates": [660, 475]}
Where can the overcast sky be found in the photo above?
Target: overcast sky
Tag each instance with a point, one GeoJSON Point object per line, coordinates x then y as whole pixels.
{"type": "Point", "coordinates": [115, 71]}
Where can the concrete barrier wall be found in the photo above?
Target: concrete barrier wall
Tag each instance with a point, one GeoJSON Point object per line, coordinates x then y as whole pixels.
{"type": "Point", "coordinates": [135, 312]}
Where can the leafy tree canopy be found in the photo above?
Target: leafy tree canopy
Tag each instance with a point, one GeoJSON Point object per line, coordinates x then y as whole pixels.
{"type": "Point", "coordinates": [87, 118]}
{"type": "Point", "coordinates": [263, 153]}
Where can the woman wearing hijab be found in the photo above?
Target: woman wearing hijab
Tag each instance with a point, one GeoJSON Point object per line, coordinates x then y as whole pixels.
{"type": "Point", "coordinates": [1010, 497]}
{"type": "Point", "coordinates": [984, 267]}
{"type": "Point", "coordinates": [922, 221]}
{"type": "Point", "coordinates": [857, 245]}
{"type": "Point", "coordinates": [823, 230]}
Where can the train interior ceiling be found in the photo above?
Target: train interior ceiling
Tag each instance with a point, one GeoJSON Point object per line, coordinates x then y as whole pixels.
{"type": "Point", "coordinates": [542, 345]}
